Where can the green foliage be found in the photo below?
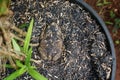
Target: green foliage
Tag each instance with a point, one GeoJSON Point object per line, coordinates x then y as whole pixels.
{"type": "Point", "coordinates": [25, 66]}
{"type": "Point", "coordinates": [35, 74]}
{"type": "Point", "coordinates": [117, 23]}
{"type": "Point", "coordinates": [102, 3]}
{"type": "Point", "coordinates": [112, 14]}
{"type": "Point", "coordinates": [16, 47]}
{"type": "Point", "coordinates": [25, 25]}
{"type": "Point", "coordinates": [17, 73]}
{"type": "Point", "coordinates": [28, 37]}
{"type": "Point", "coordinates": [108, 22]}
{"type": "Point", "coordinates": [117, 42]}
{"type": "Point", "coordinates": [4, 5]}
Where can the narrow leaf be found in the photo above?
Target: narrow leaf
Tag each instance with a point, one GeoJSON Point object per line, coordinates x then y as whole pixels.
{"type": "Point", "coordinates": [19, 64]}
{"type": "Point", "coordinates": [29, 54]}
{"type": "Point", "coordinates": [8, 66]}
{"type": "Point", "coordinates": [106, 2]}
{"type": "Point", "coordinates": [108, 22]}
{"type": "Point", "coordinates": [36, 75]}
{"type": "Point", "coordinates": [28, 37]}
{"type": "Point", "coordinates": [112, 14]}
{"type": "Point", "coordinates": [25, 25]}
{"type": "Point", "coordinates": [15, 45]}
{"type": "Point", "coordinates": [17, 73]}
{"type": "Point", "coordinates": [100, 4]}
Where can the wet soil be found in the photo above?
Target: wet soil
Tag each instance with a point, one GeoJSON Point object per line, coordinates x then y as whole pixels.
{"type": "Point", "coordinates": [105, 14]}
{"type": "Point", "coordinates": [86, 54]}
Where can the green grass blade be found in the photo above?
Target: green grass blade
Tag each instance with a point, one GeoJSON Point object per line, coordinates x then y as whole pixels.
{"type": "Point", "coordinates": [36, 75]}
{"type": "Point", "coordinates": [25, 25]}
{"type": "Point", "coordinates": [28, 37]}
{"type": "Point", "coordinates": [8, 66]}
{"type": "Point", "coordinates": [100, 4]}
{"type": "Point", "coordinates": [106, 2]}
{"type": "Point", "coordinates": [108, 22]}
{"type": "Point", "coordinates": [29, 54]}
{"type": "Point", "coordinates": [15, 74]}
{"type": "Point", "coordinates": [4, 7]}
{"type": "Point", "coordinates": [112, 14]}
{"type": "Point", "coordinates": [19, 64]}
{"type": "Point", "coordinates": [15, 45]}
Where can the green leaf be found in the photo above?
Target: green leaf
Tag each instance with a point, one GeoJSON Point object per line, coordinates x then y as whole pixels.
{"type": "Point", "coordinates": [112, 14]}
{"type": "Point", "coordinates": [15, 74]}
{"type": "Point", "coordinates": [36, 75]}
{"type": "Point", "coordinates": [24, 25]}
{"type": "Point", "coordinates": [27, 60]}
{"type": "Point", "coordinates": [28, 37]}
{"type": "Point", "coordinates": [117, 23]}
{"type": "Point", "coordinates": [106, 2]}
{"type": "Point", "coordinates": [108, 22]}
{"type": "Point", "coordinates": [117, 42]}
{"type": "Point", "coordinates": [8, 66]}
{"type": "Point", "coordinates": [19, 64]}
{"type": "Point", "coordinates": [32, 67]}
{"type": "Point", "coordinates": [3, 10]}
{"type": "Point", "coordinates": [4, 4]}
{"type": "Point", "coordinates": [100, 4]}
{"type": "Point", "coordinates": [15, 45]}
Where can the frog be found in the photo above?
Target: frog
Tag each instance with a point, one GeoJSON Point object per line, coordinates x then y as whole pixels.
{"type": "Point", "coordinates": [51, 42]}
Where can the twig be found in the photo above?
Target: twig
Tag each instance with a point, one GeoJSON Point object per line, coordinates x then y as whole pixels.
{"type": "Point", "coordinates": [3, 53]}
{"type": "Point", "coordinates": [18, 30]}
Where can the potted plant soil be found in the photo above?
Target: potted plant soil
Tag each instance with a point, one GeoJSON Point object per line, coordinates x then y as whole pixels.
{"type": "Point", "coordinates": [73, 41]}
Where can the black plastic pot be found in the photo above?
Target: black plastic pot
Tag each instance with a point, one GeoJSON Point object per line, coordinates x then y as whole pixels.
{"type": "Point", "coordinates": [105, 30]}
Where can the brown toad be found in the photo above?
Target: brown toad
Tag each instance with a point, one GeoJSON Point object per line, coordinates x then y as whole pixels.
{"type": "Point", "coordinates": [51, 44]}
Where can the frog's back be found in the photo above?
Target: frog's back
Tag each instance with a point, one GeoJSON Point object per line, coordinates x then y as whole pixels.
{"type": "Point", "coordinates": [51, 45]}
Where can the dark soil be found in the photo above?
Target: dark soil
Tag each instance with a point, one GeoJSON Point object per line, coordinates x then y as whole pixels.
{"type": "Point", "coordinates": [86, 54]}
{"type": "Point", "coordinates": [105, 14]}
